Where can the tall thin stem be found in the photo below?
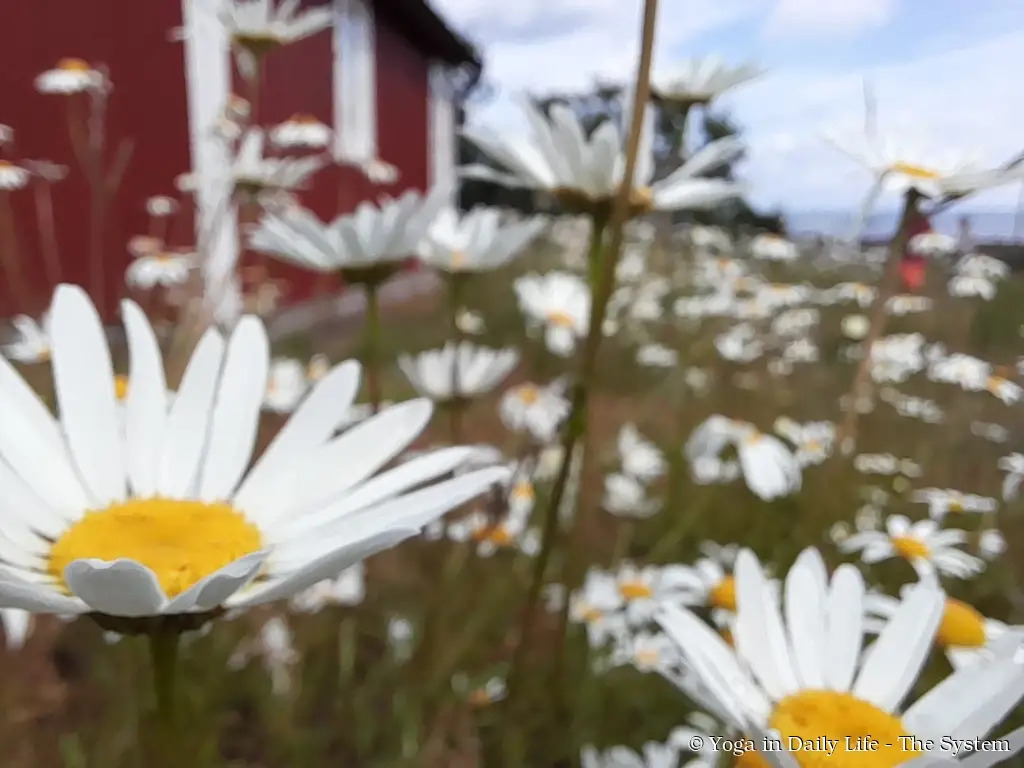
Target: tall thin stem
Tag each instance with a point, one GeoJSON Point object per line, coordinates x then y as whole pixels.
{"type": "Point", "coordinates": [371, 343]}
{"type": "Point", "coordinates": [456, 403]}
{"type": "Point", "coordinates": [163, 652]}
{"type": "Point", "coordinates": [43, 196]}
{"type": "Point", "coordinates": [603, 269]}
{"type": "Point", "coordinates": [861, 388]}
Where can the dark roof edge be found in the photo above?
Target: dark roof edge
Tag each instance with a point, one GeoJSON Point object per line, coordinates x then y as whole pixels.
{"type": "Point", "coordinates": [429, 31]}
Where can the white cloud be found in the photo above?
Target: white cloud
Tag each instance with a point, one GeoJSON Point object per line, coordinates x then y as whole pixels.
{"type": "Point", "coordinates": [827, 18]}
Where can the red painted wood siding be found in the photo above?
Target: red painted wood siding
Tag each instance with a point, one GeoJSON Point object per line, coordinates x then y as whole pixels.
{"type": "Point", "coordinates": [299, 79]}
{"type": "Point", "coordinates": [147, 107]}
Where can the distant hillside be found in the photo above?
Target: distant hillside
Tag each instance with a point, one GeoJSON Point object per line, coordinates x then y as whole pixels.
{"type": "Point", "coordinates": [989, 227]}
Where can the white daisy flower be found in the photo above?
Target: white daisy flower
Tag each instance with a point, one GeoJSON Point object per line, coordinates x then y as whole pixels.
{"type": "Point", "coordinates": [536, 410]}
{"type": "Point", "coordinates": [286, 385]}
{"type": "Point", "coordinates": [1013, 465]}
{"type": "Point", "coordinates": [12, 176]}
{"type": "Point", "coordinates": [477, 241]}
{"type": "Point", "coordinates": [161, 206]}
{"type": "Point", "coordinates": [640, 458]}
{"type": "Point", "coordinates": [968, 286]}
{"type": "Point", "coordinates": [898, 168]}
{"type": "Point", "coordinates": [929, 550]}
{"type": "Point", "coordinates": [253, 174]}
{"type": "Point", "coordinates": [167, 268]}
{"type": "Point", "coordinates": [657, 356]}
{"type": "Point", "coordinates": [932, 245]}
{"type": "Point", "coordinates": [256, 27]}
{"type": "Point", "coordinates": [71, 76]}
{"type": "Point", "coordinates": [625, 496]}
{"type": "Point", "coordinates": [769, 467]}
{"type": "Point", "coordinates": [584, 172]}
{"type": "Point", "coordinates": [701, 81]}
{"type": "Point", "coordinates": [980, 265]}
{"type": "Point", "coordinates": [855, 327]}
{"type": "Point", "coordinates": [457, 371]}
{"type": "Point", "coordinates": [559, 303]}
{"type": "Point", "coordinates": [942, 501]}
{"type": "Point", "coordinates": [799, 673]}
{"type": "Point", "coordinates": [964, 634]}
{"type": "Point", "coordinates": [469, 322]}
{"type": "Point", "coordinates": [651, 755]}
{"type": "Point", "coordinates": [301, 132]}
{"type": "Point", "coordinates": [154, 513]}
{"type": "Point", "coordinates": [771, 247]}
{"type": "Point", "coordinates": [33, 342]}
{"type": "Point", "coordinates": [373, 237]}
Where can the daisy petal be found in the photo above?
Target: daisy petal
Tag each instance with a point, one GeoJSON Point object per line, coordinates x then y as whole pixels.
{"type": "Point", "coordinates": [116, 588]}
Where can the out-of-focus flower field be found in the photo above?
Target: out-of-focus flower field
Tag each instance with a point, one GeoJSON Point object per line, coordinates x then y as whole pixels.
{"type": "Point", "coordinates": [619, 491]}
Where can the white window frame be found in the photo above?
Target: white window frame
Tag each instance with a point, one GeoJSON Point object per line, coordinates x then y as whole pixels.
{"type": "Point", "coordinates": [442, 145]}
{"type": "Point", "coordinates": [355, 81]}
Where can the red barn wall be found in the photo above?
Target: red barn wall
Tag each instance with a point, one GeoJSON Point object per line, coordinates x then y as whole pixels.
{"type": "Point", "coordinates": [299, 79]}
{"type": "Point", "coordinates": [147, 107]}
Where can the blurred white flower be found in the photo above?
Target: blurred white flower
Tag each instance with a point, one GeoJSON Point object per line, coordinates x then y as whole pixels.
{"type": "Point", "coordinates": [369, 238]}
{"type": "Point", "coordinates": [301, 132]}
{"type": "Point", "coordinates": [476, 241]}
{"type": "Point", "coordinates": [457, 371]}
{"type": "Point", "coordinates": [71, 76]}
{"type": "Point", "coordinates": [559, 303]}
{"type": "Point", "coordinates": [700, 81]}
{"type": "Point", "coordinates": [534, 409]}
{"type": "Point", "coordinates": [585, 172]}
{"type": "Point", "coordinates": [32, 344]}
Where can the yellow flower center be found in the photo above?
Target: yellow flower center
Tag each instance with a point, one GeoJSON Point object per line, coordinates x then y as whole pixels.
{"type": "Point", "coordinates": [459, 259]}
{"type": "Point", "coordinates": [955, 505]}
{"type": "Point", "coordinates": [523, 491]}
{"type": "Point", "coordinates": [480, 698]}
{"type": "Point", "coordinates": [915, 171]}
{"type": "Point", "coordinates": [498, 535]}
{"type": "Point", "coordinates": [962, 626]}
{"type": "Point", "coordinates": [825, 728]}
{"type": "Point", "coordinates": [303, 119]}
{"type": "Point", "coordinates": [121, 387]}
{"type": "Point", "coordinates": [182, 542]}
{"type": "Point", "coordinates": [635, 589]}
{"type": "Point", "coordinates": [909, 548]}
{"type": "Point", "coordinates": [73, 65]}
{"type": "Point", "coordinates": [317, 368]}
{"type": "Point", "coordinates": [528, 394]}
{"type": "Point", "coordinates": [590, 615]}
{"type": "Point", "coordinates": [723, 594]}
{"type": "Point", "coordinates": [994, 384]}
{"type": "Point", "coordinates": [560, 319]}
{"type": "Point", "coordinates": [646, 657]}
{"type": "Point", "coordinates": [753, 438]}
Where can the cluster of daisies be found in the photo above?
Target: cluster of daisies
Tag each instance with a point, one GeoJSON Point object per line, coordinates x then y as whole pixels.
{"type": "Point", "coordinates": [143, 502]}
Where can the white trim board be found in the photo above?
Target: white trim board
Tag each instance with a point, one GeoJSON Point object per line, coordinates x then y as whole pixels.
{"type": "Point", "coordinates": [208, 86]}
{"type": "Point", "coordinates": [355, 81]}
{"type": "Point", "coordinates": [442, 146]}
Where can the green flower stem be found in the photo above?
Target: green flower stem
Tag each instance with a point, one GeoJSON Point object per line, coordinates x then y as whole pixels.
{"type": "Point", "coordinates": [457, 404]}
{"type": "Point", "coordinates": [163, 652]}
{"type": "Point", "coordinates": [861, 388]}
{"type": "Point", "coordinates": [603, 269]}
{"type": "Point", "coordinates": [371, 352]}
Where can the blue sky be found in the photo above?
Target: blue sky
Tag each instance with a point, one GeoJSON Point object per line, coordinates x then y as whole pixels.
{"type": "Point", "coordinates": [945, 74]}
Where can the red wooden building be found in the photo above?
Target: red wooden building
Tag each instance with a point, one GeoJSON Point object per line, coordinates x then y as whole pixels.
{"type": "Point", "coordinates": [378, 77]}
